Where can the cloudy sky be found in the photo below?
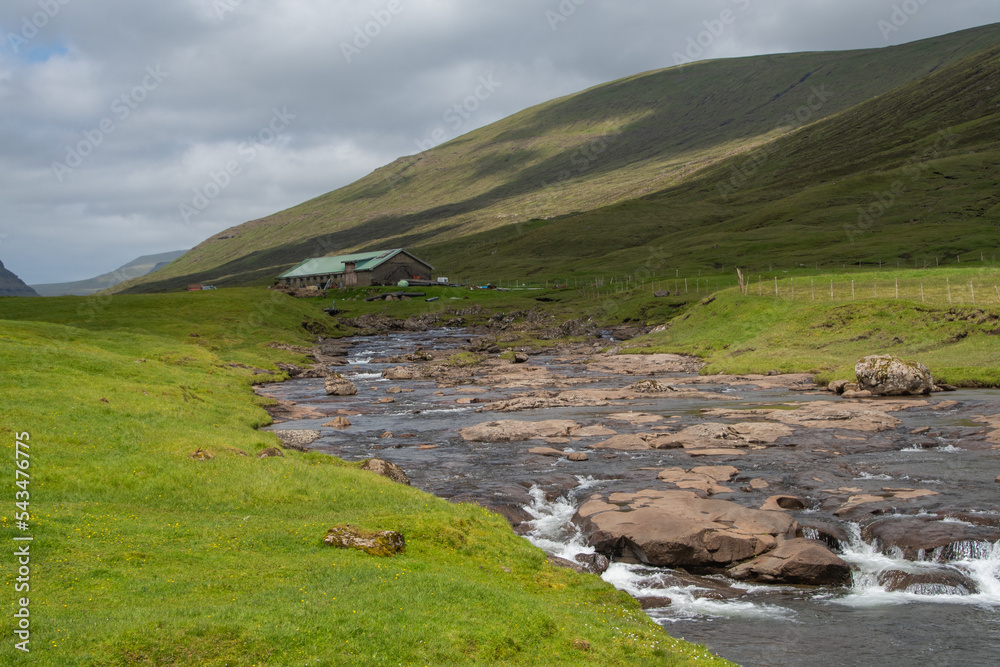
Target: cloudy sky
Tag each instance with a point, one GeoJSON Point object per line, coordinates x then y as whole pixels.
{"type": "Point", "coordinates": [132, 128]}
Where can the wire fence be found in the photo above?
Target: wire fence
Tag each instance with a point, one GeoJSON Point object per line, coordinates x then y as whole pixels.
{"type": "Point", "coordinates": [983, 290]}
{"type": "Point", "coordinates": [932, 290]}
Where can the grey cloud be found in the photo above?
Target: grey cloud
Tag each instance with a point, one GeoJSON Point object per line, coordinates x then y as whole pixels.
{"type": "Point", "coordinates": [232, 62]}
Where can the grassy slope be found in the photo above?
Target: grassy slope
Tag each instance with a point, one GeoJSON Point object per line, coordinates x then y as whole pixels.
{"type": "Point", "coordinates": [612, 143]}
{"type": "Point", "coordinates": [143, 555]}
{"type": "Point", "coordinates": [754, 334]}
{"type": "Point", "coordinates": [923, 160]}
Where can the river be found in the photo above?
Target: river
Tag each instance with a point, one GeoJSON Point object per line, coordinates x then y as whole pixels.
{"type": "Point", "coordinates": [778, 626]}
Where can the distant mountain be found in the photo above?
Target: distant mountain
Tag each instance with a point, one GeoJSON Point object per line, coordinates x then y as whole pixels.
{"type": "Point", "coordinates": [137, 268]}
{"type": "Point", "coordinates": [11, 285]}
{"type": "Point", "coordinates": [766, 159]}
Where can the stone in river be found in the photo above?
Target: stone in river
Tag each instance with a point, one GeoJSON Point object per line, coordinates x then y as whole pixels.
{"type": "Point", "coordinates": [705, 478]}
{"type": "Point", "coordinates": [797, 562]}
{"type": "Point", "coordinates": [781, 503]}
{"type": "Point", "coordinates": [546, 451]}
{"type": "Point", "coordinates": [578, 456]}
{"type": "Point", "coordinates": [937, 582]}
{"type": "Point", "coordinates": [916, 537]}
{"type": "Point", "coordinates": [340, 386]}
{"type": "Point", "coordinates": [622, 443]}
{"type": "Point", "coordinates": [679, 529]}
{"type": "Point", "coordinates": [512, 430]}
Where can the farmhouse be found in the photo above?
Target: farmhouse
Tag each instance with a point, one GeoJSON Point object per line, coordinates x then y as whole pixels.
{"type": "Point", "coordinates": [382, 267]}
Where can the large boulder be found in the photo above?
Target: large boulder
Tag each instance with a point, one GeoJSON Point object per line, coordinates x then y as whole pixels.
{"type": "Point", "coordinates": [797, 562]}
{"type": "Point", "coordinates": [680, 529]}
{"type": "Point", "coordinates": [886, 375]}
{"type": "Point", "coordinates": [337, 385]}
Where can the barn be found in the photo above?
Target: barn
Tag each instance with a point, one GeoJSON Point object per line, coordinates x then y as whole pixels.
{"type": "Point", "coordinates": [382, 267]}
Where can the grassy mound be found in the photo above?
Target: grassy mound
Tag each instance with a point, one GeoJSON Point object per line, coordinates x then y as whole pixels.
{"type": "Point", "coordinates": [143, 554]}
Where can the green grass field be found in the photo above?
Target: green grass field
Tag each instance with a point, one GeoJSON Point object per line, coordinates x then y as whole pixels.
{"type": "Point", "coordinates": [814, 333]}
{"type": "Point", "coordinates": [143, 555]}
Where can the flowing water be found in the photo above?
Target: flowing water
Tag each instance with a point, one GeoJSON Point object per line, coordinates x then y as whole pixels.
{"type": "Point", "coordinates": [956, 622]}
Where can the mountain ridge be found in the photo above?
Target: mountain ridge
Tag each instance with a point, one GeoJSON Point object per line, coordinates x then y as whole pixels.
{"type": "Point", "coordinates": [137, 268]}
{"type": "Point", "coordinates": [11, 285]}
{"type": "Point", "coordinates": [613, 143]}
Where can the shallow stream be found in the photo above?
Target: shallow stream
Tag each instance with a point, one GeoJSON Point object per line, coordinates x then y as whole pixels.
{"type": "Point", "coordinates": [778, 626]}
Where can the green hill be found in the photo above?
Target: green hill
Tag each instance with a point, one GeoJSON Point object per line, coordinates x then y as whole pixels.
{"type": "Point", "coordinates": [673, 162]}
{"type": "Point", "coordinates": [137, 268]}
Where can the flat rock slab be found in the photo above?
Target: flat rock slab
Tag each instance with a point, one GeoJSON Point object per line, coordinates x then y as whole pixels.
{"type": "Point", "coordinates": [638, 418]}
{"type": "Point", "coordinates": [646, 364]}
{"type": "Point", "coordinates": [862, 416]}
{"type": "Point", "coordinates": [713, 435]}
{"type": "Point", "coordinates": [546, 451]}
{"type": "Point", "coordinates": [679, 529]}
{"type": "Point", "coordinates": [716, 452]}
{"type": "Point", "coordinates": [993, 435]}
{"type": "Point", "coordinates": [284, 411]}
{"type": "Point", "coordinates": [574, 398]}
{"type": "Point", "coordinates": [513, 431]}
{"type": "Point", "coordinates": [624, 443]}
{"type": "Point", "coordinates": [794, 381]}
{"type": "Point", "coordinates": [860, 499]}
{"type": "Point", "coordinates": [704, 478]}
{"type": "Point", "coordinates": [593, 431]}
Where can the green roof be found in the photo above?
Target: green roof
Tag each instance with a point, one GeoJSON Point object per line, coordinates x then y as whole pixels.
{"type": "Point", "coordinates": [319, 266]}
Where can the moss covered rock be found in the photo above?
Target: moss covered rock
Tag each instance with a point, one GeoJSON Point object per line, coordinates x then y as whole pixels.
{"type": "Point", "coordinates": [886, 375]}
{"type": "Point", "coordinates": [376, 543]}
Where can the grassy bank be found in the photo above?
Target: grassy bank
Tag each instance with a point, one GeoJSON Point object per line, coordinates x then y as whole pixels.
{"type": "Point", "coordinates": [144, 555]}
{"type": "Point", "coordinates": [816, 333]}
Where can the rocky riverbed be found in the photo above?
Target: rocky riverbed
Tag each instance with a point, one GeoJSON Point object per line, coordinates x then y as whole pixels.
{"type": "Point", "coordinates": [777, 522]}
